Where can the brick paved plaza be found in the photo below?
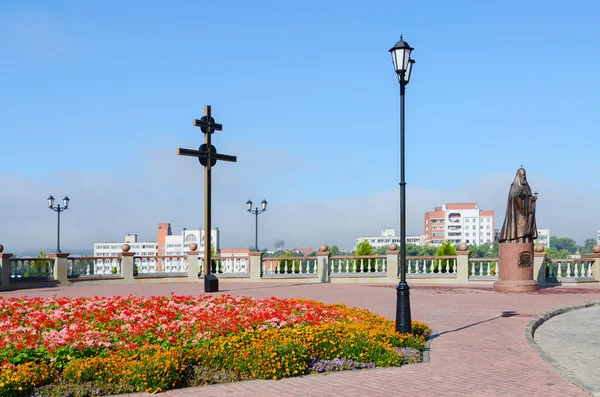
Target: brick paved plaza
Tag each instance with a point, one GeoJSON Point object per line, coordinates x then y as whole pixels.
{"type": "Point", "coordinates": [480, 349]}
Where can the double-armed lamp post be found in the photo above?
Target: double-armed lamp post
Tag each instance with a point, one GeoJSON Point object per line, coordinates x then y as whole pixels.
{"type": "Point", "coordinates": [403, 66]}
{"type": "Point", "coordinates": [58, 210]}
{"type": "Point", "coordinates": [256, 212]}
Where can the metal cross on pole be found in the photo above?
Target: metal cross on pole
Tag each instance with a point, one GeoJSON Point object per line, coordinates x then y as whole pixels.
{"type": "Point", "coordinates": [208, 156]}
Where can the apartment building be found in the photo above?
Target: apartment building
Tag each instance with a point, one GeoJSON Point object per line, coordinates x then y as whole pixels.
{"type": "Point", "coordinates": [459, 223]}
{"type": "Point", "coordinates": [389, 236]}
{"type": "Point", "coordinates": [543, 237]}
{"type": "Point", "coordinates": [166, 244]}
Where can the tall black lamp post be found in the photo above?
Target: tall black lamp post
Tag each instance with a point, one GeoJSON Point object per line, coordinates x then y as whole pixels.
{"type": "Point", "coordinates": [256, 212]}
{"type": "Point", "coordinates": [403, 66]}
{"type": "Point", "coordinates": [58, 210]}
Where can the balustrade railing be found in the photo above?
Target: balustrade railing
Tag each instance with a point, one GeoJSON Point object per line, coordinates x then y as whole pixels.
{"type": "Point", "coordinates": [166, 264]}
{"type": "Point", "coordinates": [227, 266]}
{"type": "Point", "coordinates": [563, 269]}
{"type": "Point", "coordinates": [23, 268]}
{"type": "Point", "coordinates": [357, 264]}
{"type": "Point", "coordinates": [483, 267]}
{"type": "Point", "coordinates": [93, 265]}
{"type": "Point", "coordinates": [289, 265]}
{"type": "Point", "coordinates": [430, 265]}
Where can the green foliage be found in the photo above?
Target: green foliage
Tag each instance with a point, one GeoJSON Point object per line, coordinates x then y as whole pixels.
{"type": "Point", "coordinates": [417, 250]}
{"type": "Point", "coordinates": [446, 249]}
{"type": "Point", "coordinates": [487, 250]}
{"type": "Point", "coordinates": [366, 249]}
{"type": "Point", "coordinates": [40, 266]}
{"type": "Point", "coordinates": [553, 253]}
{"type": "Point", "coordinates": [289, 265]}
{"type": "Point", "coordinates": [382, 250]}
{"type": "Point", "coordinates": [335, 250]}
{"type": "Point", "coordinates": [587, 246]}
{"type": "Point", "coordinates": [114, 270]}
{"type": "Point", "coordinates": [563, 243]}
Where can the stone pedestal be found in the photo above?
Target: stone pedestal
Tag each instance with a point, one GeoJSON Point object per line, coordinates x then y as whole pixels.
{"type": "Point", "coordinates": [516, 268]}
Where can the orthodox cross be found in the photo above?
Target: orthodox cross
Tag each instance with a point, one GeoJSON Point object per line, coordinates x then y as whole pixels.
{"type": "Point", "coordinates": [208, 156]}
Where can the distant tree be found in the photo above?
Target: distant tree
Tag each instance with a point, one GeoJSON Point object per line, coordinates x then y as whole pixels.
{"type": "Point", "coordinates": [563, 243]}
{"type": "Point", "coordinates": [279, 253]}
{"type": "Point", "coordinates": [366, 249]}
{"type": "Point", "coordinates": [289, 265]}
{"type": "Point", "coordinates": [481, 251]}
{"type": "Point", "coordinates": [42, 266]}
{"type": "Point", "coordinates": [495, 251]}
{"type": "Point", "coordinates": [382, 250]}
{"type": "Point", "coordinates": [587, 246]}
{"type": "Point", "coordinates": [314, 253]}
{"type": "Point", "coordinates": [553, 253]}
{"type": "Point", "coordinates": [446, 249]}
{"type": "Point", "coordinates": [335, 250]}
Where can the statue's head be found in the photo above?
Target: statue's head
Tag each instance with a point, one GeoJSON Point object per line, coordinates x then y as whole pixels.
{"type": "Point", "coordinates": [521, 176]}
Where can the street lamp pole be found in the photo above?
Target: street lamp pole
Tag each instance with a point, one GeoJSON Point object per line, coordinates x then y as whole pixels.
{"type": "Point", "coordinates": [58, 209]}
{"type": "Point", "coordinates": [403, 66]}
{"type": "Point", "coordinates": [256, 212]}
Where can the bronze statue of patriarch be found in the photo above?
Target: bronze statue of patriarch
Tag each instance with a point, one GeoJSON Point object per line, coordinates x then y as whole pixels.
{"type": "Point", "coordinates": [519, 223]}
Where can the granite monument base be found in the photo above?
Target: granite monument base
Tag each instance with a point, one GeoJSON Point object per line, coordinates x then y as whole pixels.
{"type": "Point", "coordinates": [516, 268]}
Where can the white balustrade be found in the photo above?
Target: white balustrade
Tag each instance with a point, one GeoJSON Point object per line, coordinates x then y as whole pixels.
{"type": "Point", "coordinates": [483, 267]}
{"type": "Point", "coordinates": [31, 267]}
{"type": "Point", "coordinates": [426, 265]}
{"type": "Point", "coordinates": [289, 265]}
{"type": "Point", "coordinates": [357, 265]}
{"type": "Point", "coordinates": [228, 265]}
{"type": "Point", "coordinates": [565, 269]}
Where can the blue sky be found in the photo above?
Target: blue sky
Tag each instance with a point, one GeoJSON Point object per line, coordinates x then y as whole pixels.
{"type": "Point", "coordinates": [101, 94]}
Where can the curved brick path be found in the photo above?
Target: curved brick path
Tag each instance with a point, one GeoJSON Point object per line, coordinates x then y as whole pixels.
{"type": "Point", "coordinates": [478, 352]}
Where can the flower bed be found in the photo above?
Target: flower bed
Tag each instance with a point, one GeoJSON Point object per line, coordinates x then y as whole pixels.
{"type": "Point", "coordinates": [122, 344]}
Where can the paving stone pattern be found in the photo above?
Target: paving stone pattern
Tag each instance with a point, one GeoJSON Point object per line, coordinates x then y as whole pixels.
{"type": "Point", "coordinates": [480, 349]}
{"type": "Point", "coordinates": [572, 340]}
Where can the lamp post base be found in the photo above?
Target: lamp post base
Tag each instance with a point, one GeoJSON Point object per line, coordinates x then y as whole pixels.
{"type": "Point", "coordinates": [211, 283]}
{"type": "Point", "coordinates": [403, 318]}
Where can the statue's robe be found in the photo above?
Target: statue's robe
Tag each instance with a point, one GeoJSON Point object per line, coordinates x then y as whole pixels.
{"type": "Point", "coordinates": [519, 223]}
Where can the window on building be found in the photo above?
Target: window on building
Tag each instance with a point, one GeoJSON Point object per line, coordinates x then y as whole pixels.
{"type": "Point", "coordinates": [474, 227]}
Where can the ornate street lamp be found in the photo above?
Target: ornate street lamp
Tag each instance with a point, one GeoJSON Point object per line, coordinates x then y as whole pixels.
{"type": "Point", "coordinates": [256, 212]}
{"type": "Point", "coordinates": [58, 209]}
{"type": "Point", "coordinates": [403, 67]}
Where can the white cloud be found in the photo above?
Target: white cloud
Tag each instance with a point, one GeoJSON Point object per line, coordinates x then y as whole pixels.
{"type": "Point", "coordinates": [169, 188]}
